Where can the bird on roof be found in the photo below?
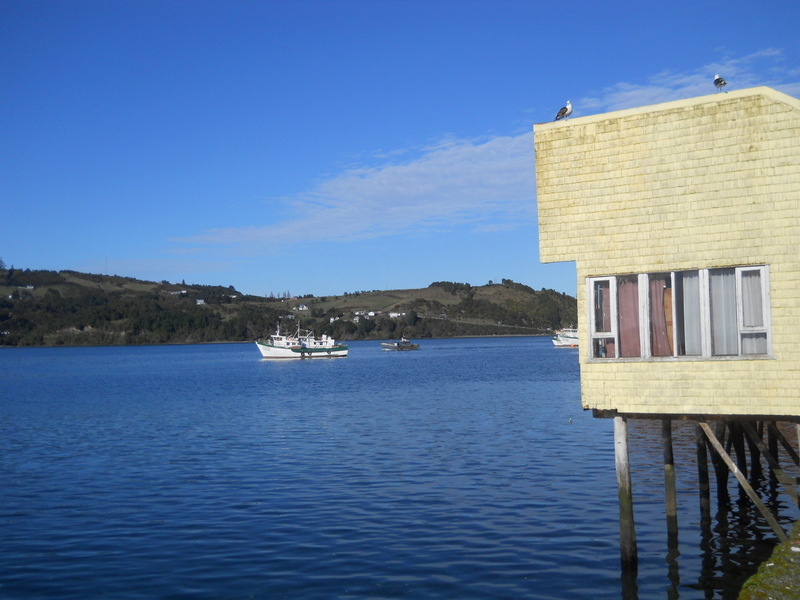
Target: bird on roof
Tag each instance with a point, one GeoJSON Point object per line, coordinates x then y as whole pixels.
{"type": "Point", "coordinates": [564, 112]}
{"type": "Point", "coordinates": [719, 82]}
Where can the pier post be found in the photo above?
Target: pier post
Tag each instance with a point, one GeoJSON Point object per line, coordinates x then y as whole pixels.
{"type": "Point", "coordinates": [723, 428]}
{"type": "Point", "coordinates": [627, 529]}
{"type": "Point", "coordinates": [744, 484]}
{"type": "Point", "coordinates": [737, 438]}
{"type": "Point", "coordinates": [772, 442]}
{"type": "Point", "coordinates": [702, 475]}
{"type": "Point", "coordinates": [785, 443]}
{"type": "Point", "coordinates": [670, 492]}
{"type": "Point", "coordinates": [772, 460]}
{"type": "Point", "coordinates": [754, 431]}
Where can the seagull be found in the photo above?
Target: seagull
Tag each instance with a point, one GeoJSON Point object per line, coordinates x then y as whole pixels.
{"type": "Point", "coordinates": [564, 112]}
{"type": "Point", "coordinates": [719, 82]}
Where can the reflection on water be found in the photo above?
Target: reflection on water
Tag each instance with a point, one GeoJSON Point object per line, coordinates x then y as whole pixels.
{"type": "Point", "coordinates": [736, 540]}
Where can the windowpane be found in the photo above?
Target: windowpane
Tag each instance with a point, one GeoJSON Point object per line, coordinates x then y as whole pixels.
{"type": "Point", "coordinates": [752, 310]}
{"type": "Point", "coordinates": [602, 307]}
{"type": "Point", "coordinates": [660, 315]}
{"type": "Point", "coordinates": [754, 343]}
{"type": "Point", "coordinates": [687, 312]}
{"type": "Point", "coordinates": [724, 330]}
{"type": "Point", "coordinates": [628, 309]}
{"type": "Point", "coordinates": [603, 348]}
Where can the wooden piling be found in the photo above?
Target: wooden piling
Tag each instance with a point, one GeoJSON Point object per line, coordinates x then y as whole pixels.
{"type": "Point", "coordinates": [627, 529]}
{"type": "Point", "coordinates": [724, 434]}
{"type": "Point", "coordinates": [772, 442]}
{"type": "Point", "coordinates": [670, 489]}
{"type": "Point", "coordinates": [793, 456]}
{"type": "Point", "coordinates": [753, 433]}
{"type": "Point", "coordinates": [737, 437]}
{"type": "Point", "coordinates": [703, 482]}
{"type": "Point", "coordinates": [772, 460]}
{"type": "Point", "coordinates": [744, 484]}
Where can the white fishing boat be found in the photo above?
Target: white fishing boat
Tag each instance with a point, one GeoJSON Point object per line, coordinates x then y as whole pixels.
{"type": "Point", "coordinates": [566, 338]}
{"type": "Point", "coordinates": [403, 344]}
{"type": "Point", "coordinates": [300, 345]}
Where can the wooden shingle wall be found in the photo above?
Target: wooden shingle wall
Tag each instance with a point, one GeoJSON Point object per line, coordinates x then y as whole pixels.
{"type": "Point", "coordinates": [701, 183]}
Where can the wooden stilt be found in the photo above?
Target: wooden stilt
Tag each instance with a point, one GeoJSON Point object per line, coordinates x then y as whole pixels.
{"type": "Point", "coordinates": [627, 529]}
{"type": "Point", "coordinates": [737, 436]}
{"type": "Point", "coordinates": [772, 441]}
{"type": "Point", "coordinates": [702, 476]}
{"type": "Point", "coordinates": [744, 483]}
{"type": "Point", "coordinates": [785, 480]}
{"type": "Point", "coordinates": [720, 470]}
{"type": "Point", "coordinates": [670, 492]}
{"type": "Point", "coordinates": [752, 446]}
{"type": "Point", "coordinates": [785, 443]}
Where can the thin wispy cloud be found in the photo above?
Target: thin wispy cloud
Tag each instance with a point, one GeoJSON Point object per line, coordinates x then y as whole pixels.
{"type": "Point", "coordinates": [486, 184]}
{"type": "Point", "coordinates": [455, 181]}
{"type": "Point", "coordinates": [764, 67]}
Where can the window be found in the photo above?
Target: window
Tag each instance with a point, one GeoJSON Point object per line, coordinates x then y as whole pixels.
{"type": "Point", "coordinates": [602, 325]}
{"type": "Point", "coordinates": [628, 316]}
{"type": "Point", "coordinates": [703, 314]}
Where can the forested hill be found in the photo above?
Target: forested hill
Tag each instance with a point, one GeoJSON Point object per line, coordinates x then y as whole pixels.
{"type": "Point", "coordinates": [49, 308]}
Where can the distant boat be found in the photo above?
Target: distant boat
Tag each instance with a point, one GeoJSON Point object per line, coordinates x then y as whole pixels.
{"type": "Point", "coordinates": [300, 345]}
{"type": "Point", "coordinates": [566, 338]}
{"type": "Point", "coordinates": [403, 344]}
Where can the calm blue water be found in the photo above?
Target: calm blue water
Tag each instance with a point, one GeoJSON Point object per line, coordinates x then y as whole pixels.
{"type": "Point", "coordinates": [464, 470]}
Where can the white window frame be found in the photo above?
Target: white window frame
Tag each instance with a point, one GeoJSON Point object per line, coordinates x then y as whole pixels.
{"type": "Point", "coordinates": [594, 335]}
{"type": "Point", "coordinates": [705, 316]}
{"type": "Point", "coordinates": [766, 316]}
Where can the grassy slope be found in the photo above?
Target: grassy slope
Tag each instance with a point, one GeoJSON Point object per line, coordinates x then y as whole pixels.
{"type": "Point", "coordinates": [66, 307]}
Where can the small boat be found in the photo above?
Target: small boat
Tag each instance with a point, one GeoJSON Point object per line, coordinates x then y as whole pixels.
{"type": "Point", "coordinates": [403, 344]}
{"type": "Point", "coordinates": [566, 338]}
{"type": "Point", "coordinates": [300, 345]}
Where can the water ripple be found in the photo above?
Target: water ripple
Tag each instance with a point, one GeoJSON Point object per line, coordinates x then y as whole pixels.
{"type": "Point", "coordinates": [464, 470]}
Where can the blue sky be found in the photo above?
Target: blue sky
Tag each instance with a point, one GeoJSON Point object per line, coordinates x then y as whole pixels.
{"type": "Point", "coordinates": [323, 147]}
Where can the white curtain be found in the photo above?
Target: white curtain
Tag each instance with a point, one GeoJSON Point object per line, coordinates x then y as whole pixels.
{"type": "Point", "coordinates": [724, 330]}
{"type": "Point", "coordinates": [692, 325]}
{"type": "Point", "coordinates": [754, 343]}
{"type": "Point", "coordinates": [751, 299]}
{"type": "Point", "coordinates": [753, 313]}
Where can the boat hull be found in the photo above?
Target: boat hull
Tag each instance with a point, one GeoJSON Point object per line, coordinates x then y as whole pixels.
{"type": "Point", "coordinates": [566, 338]}
{"type": "Point", "coordinates": [398, 346]}
{"type": "Point", "coordinates": [270, 351]}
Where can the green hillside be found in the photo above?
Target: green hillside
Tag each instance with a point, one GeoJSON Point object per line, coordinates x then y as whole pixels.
{"type": "Point", "coordinates": [55, 308]}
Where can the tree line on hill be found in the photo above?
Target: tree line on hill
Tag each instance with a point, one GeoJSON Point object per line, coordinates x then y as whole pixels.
{"type": "Point", "coordinates": [48, 308]}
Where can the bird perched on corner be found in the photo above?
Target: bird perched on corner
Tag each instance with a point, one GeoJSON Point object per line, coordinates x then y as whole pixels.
{"type": "Point", "coordinates": [719, 82]}
{"type": "Point", "coordinates": [564, 112]}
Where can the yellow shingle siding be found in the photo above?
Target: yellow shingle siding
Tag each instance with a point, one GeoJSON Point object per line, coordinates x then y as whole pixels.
{"type": "Point", "coordinates": [700, 183]}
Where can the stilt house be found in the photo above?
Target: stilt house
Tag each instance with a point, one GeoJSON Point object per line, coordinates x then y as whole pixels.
{"type": "Point", "coordinates": [683, 220]}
